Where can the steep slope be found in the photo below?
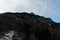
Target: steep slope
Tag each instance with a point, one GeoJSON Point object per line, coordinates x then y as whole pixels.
{"type": "Point", "coordinates": [29, 25]}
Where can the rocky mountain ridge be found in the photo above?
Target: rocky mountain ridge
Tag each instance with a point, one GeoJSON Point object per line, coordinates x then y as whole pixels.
{"type": "Point", "coordinates": [27, 24]}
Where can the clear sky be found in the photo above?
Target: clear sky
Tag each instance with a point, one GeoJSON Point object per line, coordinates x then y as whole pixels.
{"type": "Point", "coordinates": [46, 8]}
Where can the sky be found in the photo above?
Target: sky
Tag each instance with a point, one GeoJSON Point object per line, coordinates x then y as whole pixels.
{"type": "Point", "coordinates": [46, 8]}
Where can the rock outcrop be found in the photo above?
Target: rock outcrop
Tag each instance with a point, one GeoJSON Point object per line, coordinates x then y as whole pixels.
{"type": "Point", "coordinates": [28, 26]}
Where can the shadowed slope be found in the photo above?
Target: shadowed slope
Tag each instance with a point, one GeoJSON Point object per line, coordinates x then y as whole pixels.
{"type": "Point", "coordinates": [29, 26]}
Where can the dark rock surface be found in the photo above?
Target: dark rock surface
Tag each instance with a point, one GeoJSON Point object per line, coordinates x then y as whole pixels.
{"type": "Point", "coordinates": [29, 26]}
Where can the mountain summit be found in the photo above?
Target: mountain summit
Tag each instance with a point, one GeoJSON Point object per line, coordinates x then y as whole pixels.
{"type": "Point", "coordinates": [29, 26]}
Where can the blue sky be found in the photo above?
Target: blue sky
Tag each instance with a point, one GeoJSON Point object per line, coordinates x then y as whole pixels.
{"type": "Point", "coordinates": [46, 8]}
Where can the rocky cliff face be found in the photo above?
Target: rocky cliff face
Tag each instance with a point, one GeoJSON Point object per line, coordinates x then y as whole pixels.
{"type": "Point", "coordinates": [28, 26]}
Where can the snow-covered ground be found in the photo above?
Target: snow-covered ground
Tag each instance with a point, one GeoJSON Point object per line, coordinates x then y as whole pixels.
{"type": "Point", "coordinates": [8, 36]}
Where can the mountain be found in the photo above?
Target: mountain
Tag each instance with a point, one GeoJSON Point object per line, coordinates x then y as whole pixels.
{"type": "Point", "coordinates": [29, 26]}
